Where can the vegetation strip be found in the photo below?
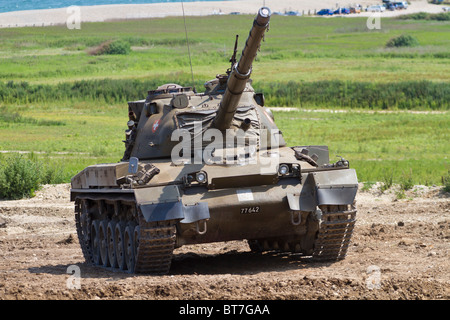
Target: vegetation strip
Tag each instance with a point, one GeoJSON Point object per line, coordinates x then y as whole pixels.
{"type": "Point", "coordinates": [63, 93]}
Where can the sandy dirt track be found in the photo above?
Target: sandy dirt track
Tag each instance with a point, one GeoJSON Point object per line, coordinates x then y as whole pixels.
{"type": "Point", "coordinates": [399, 251]}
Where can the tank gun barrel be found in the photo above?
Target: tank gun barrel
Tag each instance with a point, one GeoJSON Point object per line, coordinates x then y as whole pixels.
{"type": "Point", "coordinates": [241, 71]}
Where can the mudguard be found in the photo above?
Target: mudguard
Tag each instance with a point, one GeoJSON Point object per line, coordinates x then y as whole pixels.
{"type": "Point", "coordinates": [164, 203]}
{"type": "Point", "coordinates": [336, 187]}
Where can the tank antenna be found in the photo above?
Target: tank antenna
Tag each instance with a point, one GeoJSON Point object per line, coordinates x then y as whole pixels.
{"type": "Point", "coordinates": [189, 50]}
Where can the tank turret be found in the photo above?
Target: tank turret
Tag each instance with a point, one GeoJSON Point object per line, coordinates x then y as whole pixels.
{"type": "Point", "coordinates": [241, 71]}
{"type": "Point", "coordinates": [229, 102]}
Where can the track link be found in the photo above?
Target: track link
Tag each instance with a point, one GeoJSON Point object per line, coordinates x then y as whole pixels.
{"type": "Point", "coordinates": [331, 240]}
{"type": "Point", "coordinates": [335, 233]}
{"type": "Point", "coordinates": [82, 224]}
{"type": "Point", "coordinates": [156, 245]}
{"type": "Point", "coordinates": [138, 246]}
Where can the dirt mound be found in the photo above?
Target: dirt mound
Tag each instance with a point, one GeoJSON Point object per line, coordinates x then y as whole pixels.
{"type": "Point", "coordinates": [399, 250]}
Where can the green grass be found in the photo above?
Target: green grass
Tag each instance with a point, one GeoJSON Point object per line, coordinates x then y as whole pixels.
{"type": "Point", "coordinates": [398, 143]}
{"type": "Point", "coordinates": [377, 143]}
{"type": "Point", "coordinates": [409, 95]}
{"type": "Point", "coordinates": [295, 49]}
{"type": "Point", "coordinates": [69, 107]}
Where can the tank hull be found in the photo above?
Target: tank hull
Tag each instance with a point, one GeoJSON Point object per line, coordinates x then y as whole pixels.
{"type": "Point", "coordinates": [273, 212]}
{"type": "Point", "coordinates": [244, 213]}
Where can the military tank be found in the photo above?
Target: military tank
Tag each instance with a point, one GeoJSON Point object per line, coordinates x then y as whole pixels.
{"type": "Point", "coordinates": [209, 167]}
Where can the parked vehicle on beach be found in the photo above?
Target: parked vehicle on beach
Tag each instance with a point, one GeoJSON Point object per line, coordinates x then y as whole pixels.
{"type": "Point", "coordinates": [375, 8]}
{"type": "Point", "coordinates": [401, 5]}
{"type": "Point", "coordinates": [293, 13]}
{"type": "Point", "coordinates": [391, 6]}
{"type": "Point", "coordinates": [325, 12]}
{"type": "Point", "coordinates": [342, 11]}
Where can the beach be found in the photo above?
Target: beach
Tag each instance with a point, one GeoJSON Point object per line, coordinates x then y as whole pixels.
{"type": "Point", "coordinates": [78, 15]}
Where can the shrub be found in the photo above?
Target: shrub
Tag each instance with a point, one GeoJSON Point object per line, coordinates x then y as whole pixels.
{"type": "Point", "coordinates": [21, 176]}
{"type": "Point", "coordinates": [111, 47]}
{"type": "Point", "coordinates": [388, 179]}
{"type": "Point", "coordinates": [442, 16]}
{"type": "Point", "coordinates": [402, 41]}
{"type": "Point", "coordinates": [118, 47]}
{"type": "Point", "coordinates": [446, 182]}
{"type": "Point", "coordinates": [406, 181]}
{"type": "Point", "coordinates": [415, 16]}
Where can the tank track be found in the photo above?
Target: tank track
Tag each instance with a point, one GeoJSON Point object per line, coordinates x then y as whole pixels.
{"type": "Point", "coordinates": [120, 238]}
{"type": "Point", "coordinates": [277, 245]}
{"type": "Point", "coordinates": [331, 240]}
{"type": "Point", "coordinates": [156, 245]}
{"type": "Point", "coordinates": [81, 222]}
{"type": "Point", "coordinates": [335, 232]}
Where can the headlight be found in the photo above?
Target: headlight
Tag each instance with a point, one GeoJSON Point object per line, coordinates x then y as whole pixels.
{"type": "Point", "coordinates": [283, 169]}
{"type": "Point", "coordinates": [200, 177]}
{"type": "Point", "coordinates": [195, 179]}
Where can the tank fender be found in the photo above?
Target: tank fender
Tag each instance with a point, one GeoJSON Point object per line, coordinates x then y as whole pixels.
{"type": "Point", "coordinates": [337, 187]}
{"type": "Point", "coordinates": [306, 199]}
{"type": "Point", "coordinates": [164, 203]}
{"type": "Point", "coordinates": [196, 212]}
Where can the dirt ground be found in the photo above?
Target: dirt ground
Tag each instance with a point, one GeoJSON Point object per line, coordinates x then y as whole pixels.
{"type": "Point", "coordinates": [400, 250]}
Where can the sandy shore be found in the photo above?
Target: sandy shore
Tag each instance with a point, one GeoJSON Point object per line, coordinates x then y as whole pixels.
{"type": "Point", "coordinates": [69, 15]}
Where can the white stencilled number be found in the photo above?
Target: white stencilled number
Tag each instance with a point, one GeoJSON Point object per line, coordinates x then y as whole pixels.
{"type": "Point", "coordinates": [249, 210]}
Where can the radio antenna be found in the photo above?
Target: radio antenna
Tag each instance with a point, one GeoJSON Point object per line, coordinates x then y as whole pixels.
{"type": "Point", "coordinates": [188, 47]}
